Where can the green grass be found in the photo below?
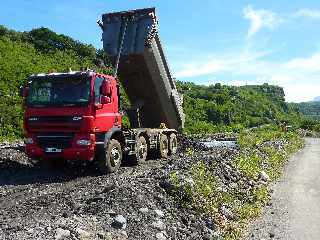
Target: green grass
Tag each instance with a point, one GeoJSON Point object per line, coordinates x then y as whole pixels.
{"type": "Point", "coordinates": [256, 155]}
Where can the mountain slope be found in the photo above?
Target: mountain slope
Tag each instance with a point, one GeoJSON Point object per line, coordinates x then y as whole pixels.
{"type": "Point", "coordinates": [229, 108]}
{"type": "Point", "coordinates": [21, 56]}
{"type": "Point", "coordinates": [309, 109]}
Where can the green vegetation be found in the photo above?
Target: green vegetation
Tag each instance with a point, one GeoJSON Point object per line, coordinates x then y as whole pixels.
{"type": "Point", "coordinates": [23, 54]}
{"type": "Point", "coordinates": [26, 53]}
{"type": "Point", "coordinates": [309, 109]}
{"type": "Point", "coordinates": [209, 109]}
{"type": "Point", "coordinates": [219, 108]}
{"type": "Point", "coordinates": [261, 149]}
{"type": "Point", "coordinates": [311, 113]}
{"type": "Point", "coordinates": [257, 152]}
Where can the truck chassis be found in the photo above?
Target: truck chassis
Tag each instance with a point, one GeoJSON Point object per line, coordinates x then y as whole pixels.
{"type": "Point", "coordinates": [140, 143]}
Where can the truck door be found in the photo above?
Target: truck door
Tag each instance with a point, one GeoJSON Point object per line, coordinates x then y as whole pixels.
{"type": "Point", "coordinates": [105, 115]}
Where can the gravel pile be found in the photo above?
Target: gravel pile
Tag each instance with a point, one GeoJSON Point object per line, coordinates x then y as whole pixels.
{"type": "Point", "coordinates": [69, 203]}
{"type": "Point", "coordinates": [308, 133]}
{"type": "Point", "coordinates": [76, 203]}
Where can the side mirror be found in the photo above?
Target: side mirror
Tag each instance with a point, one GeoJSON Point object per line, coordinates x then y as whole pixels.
{"type": "Point", "coordinates": [24, 91]}
{"type": "Point", "coordinates": [105, 100]}
{"type": "Point", "coordinates": [106, 88]}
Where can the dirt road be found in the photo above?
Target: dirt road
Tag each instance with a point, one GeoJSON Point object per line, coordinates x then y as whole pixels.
{"type": "Point", "coordinates": [294, 212]}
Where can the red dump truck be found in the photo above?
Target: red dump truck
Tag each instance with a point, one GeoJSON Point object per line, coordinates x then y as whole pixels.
{"type": "Point", "coordinates": [76, 116]}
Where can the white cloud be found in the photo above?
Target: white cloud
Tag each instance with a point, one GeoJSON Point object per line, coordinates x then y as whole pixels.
{"type": "Point", "coordinates": [311, 64]}
{"type": "Point", "coordinates": [262, 18]}
{"type": "Point", "coordinates": [208, 65]}
{"type": "Point", "coordinates": [301, 92]}
{"type": "Point", "coordinates": [259, 19]}
{"type": "Point", "coordinates": [309, 13]}
{"type": "Point", "coordinates": [300, 77]}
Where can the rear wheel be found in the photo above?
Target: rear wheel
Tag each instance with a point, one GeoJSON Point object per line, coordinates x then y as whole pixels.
{"type": "Point", "coordinates": [163, 146]}
{"type": "Point", "coordinates": [173, 144]}
{"type": "Point", "coordinates": [141, 150]}
{"type": "Point", "coordinates": [110, 159]}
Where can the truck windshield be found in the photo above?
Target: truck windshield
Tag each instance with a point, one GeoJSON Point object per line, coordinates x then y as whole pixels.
{"type": "Point", "coordinates": [59, 91]}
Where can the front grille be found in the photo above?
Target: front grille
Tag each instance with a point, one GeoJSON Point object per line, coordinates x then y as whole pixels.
{"type": "Point", "coordinates": [54, 123]}
{"type": "Point", "coordinates": [55, 141]}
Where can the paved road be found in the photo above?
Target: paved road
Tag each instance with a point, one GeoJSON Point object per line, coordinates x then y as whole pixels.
{"type": "Point", "coordinates": [294, 212]}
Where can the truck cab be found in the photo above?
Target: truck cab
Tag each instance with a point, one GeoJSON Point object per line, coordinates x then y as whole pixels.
{"type": "Point", "coordinates": [75, 116]}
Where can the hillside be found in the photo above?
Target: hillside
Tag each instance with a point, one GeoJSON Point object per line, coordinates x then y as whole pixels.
{"type": "Point", "coordinates": [309, 109]}
{"type": "Point", "coordinates": [311, 115]}
{"type": "Point", "coordinates": [208, 109]}
{"type": "Point", "coordinates": [25, 53]}
{"type": "Point", "coordinates": [229, 108]}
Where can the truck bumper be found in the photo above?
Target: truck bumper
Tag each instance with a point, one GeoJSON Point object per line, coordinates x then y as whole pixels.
{"type": "Point", "coordinates": [74, 152]}
{"type": "Point", "coordinates": [84, 154]}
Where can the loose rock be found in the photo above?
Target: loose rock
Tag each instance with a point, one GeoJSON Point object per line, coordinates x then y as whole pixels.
{"type": "Point", "coordinates": [120, 222]}
{"type": "Point", "coordinates": [82, 234]}
{"type": "Point", "coordinates": [161, 236]}
{"type": "Point", "coordinates": [143, 210]}
{"type": "Point", "coordinates": [62, 234]}
{"type": "Point", "coordinates": [159, 225]}
{"type": "Point", "coordinates": [226, 212]}
{"type": "Point", "coordinates": [264, 176]}
{"type": "Point", "coordinates": [159, 213]}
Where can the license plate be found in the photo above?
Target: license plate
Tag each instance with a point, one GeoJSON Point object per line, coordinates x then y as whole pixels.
{"type": "Point", "coordinates": [53, 150]}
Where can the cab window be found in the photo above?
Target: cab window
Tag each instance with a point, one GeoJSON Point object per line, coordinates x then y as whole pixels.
{"type": "Point", "coordinates": [97, 86]}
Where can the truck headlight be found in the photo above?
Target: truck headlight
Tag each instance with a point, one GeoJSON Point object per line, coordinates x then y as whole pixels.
{"type": "Point", "coordinates": [28, 141]}
{"type": "Point", "coordinates": [84, 142]}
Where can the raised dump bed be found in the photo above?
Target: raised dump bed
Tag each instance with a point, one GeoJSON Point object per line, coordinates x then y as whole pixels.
{"type": "Point", "coordinates": [143, 67]}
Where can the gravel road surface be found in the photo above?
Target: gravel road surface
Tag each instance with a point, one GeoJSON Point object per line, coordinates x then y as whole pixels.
{"type": "Point", "coordinates": [294, 211]}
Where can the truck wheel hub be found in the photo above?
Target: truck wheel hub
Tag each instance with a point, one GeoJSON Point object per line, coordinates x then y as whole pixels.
{"type": "Point", "coordinates": [142, 151]}
{"type": "Point", "coordinates": [174, 145]}
{"type": "Point", "coordinates": [115, 156]}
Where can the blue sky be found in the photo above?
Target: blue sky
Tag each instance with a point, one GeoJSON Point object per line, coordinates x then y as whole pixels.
{"type": "Point", "coordinates": [209, 41]}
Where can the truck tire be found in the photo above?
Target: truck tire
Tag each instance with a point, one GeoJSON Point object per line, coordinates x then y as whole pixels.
{"type": "Point", "coordinates": [141, 150]}
{"type": "Point", "coordinates": [163, 146]}
{"type": "Point", "coordinates": [173, 144]}
{"type": "Point", "coordinates": [110, 159]}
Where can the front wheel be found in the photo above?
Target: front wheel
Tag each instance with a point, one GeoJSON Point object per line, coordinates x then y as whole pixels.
{"type": "Point", "coordinates": [110, 160]}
